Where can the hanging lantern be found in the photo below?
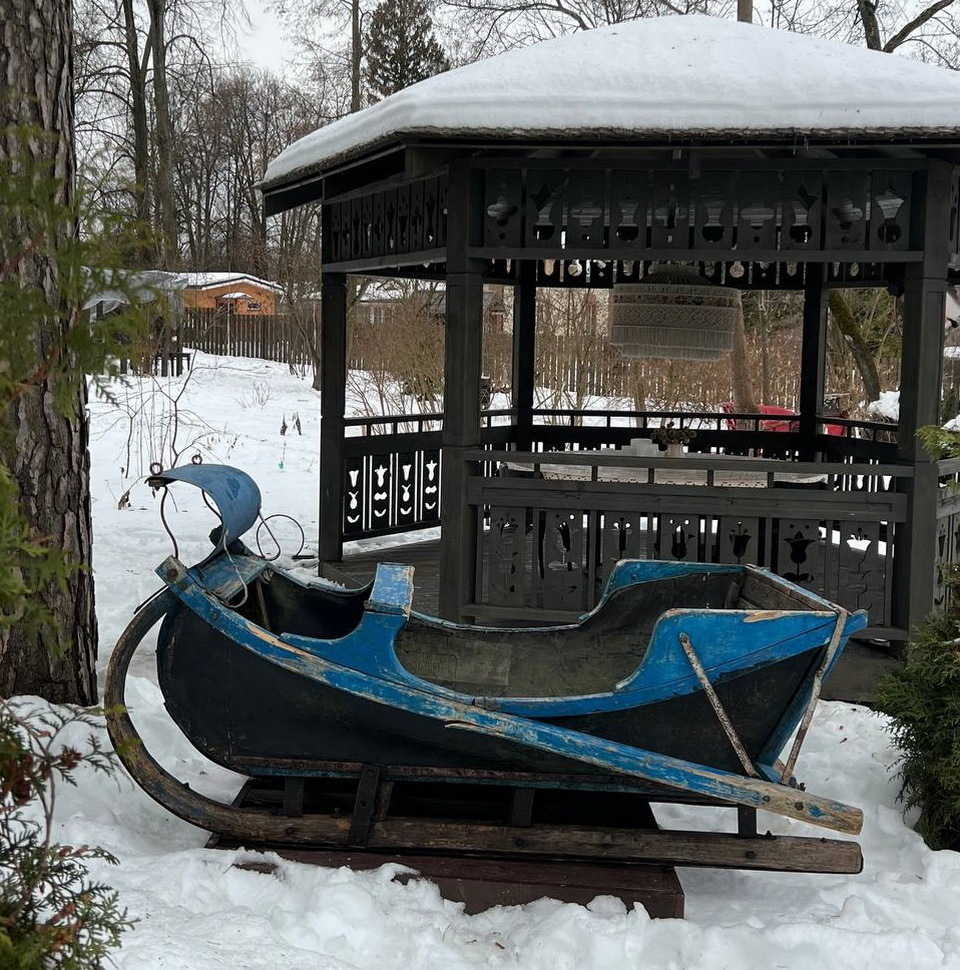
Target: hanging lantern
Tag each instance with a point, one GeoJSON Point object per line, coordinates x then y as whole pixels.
{"type": "Point", "coordinates": [673, 314]}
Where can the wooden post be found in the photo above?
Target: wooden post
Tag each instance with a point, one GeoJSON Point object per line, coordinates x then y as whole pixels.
{"type": "Point", "coordinates": [920, 374]}
{"type": "Point", "coordinates": [461, 397]}
{"type": "Point", "coordinates": [745, 11]}
{"type": "Point", "coordinates": [812, 357]}
{"type": "Point", "coordinates": [333, 393]}
{"type": "Point", "coordinates": [524, 351]}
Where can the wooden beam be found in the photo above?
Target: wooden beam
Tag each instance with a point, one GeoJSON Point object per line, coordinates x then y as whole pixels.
{"type": "Point", "coordinates": [524, 351]}
{"type": "Point", "coordinates": [812, 358]}
{"type": "Point", "coordinates": [461, 401]}
{"type": "Point", "coordinates": [920, 377]}
{"type": "Point", "coordinates": [333, 391]}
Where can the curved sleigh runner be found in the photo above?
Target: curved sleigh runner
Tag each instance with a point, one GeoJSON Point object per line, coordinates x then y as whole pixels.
{"type": "Point", "coordinates": [686, 683]}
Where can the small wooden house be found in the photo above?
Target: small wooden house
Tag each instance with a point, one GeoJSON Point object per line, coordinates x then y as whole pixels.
{"type": "Point", "coordinates": [236, 292]}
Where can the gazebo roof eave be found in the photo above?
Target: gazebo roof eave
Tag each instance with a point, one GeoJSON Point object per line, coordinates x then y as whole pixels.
{"type": "Point", "coordinates": [386, 154]}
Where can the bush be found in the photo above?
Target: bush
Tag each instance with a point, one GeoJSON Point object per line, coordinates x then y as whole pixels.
{"type": "Point", "coordinates": [922, 698]}
{"type": "Point", "coordinates": [51, 914]}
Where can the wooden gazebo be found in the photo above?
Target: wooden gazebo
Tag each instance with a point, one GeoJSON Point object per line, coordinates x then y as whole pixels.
{"type": "Point", "coordinates": [767, 160]}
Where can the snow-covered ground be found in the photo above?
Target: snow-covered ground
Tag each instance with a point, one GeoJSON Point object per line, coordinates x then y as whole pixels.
{"type": "Point", "coordinates": [197, 911]}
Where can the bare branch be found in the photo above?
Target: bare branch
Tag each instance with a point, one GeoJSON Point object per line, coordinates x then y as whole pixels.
{"type": "Point", "coordinates": [904, 33]}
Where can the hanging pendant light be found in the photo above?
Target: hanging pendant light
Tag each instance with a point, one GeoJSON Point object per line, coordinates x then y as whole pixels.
{"type": "Point", "coordinates": [673, 314]}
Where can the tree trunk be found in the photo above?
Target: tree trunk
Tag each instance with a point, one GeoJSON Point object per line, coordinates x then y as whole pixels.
{"type": "Point", "coordinates": [45, 450]}
{"type": "Point", "coordinates": [871, 26]}
{"type": "Point", "coordinates": [137, 69]}
{"type": "Point", "coordinates": [164, 165]}
{"type": "Point", "coordinates": [356, 53]}
{"type": "Point", "coordinates": [862, 355]}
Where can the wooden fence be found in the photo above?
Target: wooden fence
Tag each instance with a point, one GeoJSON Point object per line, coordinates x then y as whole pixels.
{"type": "Point", "coordinates": [280, 338]}
{"type": "Point", "coordinates": [577, 367]}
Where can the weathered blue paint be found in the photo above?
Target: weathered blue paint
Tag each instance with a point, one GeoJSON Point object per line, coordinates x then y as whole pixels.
{"type": "Point", "coordinates": [234, 493]}
{"type": "Point", "coordinates": [431, 702]}
{"type": "Point", "coordinates": [392, 590]}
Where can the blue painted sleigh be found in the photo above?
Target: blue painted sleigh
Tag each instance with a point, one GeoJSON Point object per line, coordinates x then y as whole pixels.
{"type": "Point", "coordinates": [686, 680]}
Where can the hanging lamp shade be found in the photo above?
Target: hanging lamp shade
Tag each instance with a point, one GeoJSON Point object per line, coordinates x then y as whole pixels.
{"type": "Point", "coordinates": [673, 314]}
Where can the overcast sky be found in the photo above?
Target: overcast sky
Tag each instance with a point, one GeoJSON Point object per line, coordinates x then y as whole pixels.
{"type": "Point", "coordinates": [263, 43]}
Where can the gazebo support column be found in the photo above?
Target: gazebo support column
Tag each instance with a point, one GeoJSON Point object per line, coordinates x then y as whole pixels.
{"type": "Point", "coordinates": [813, 353]}
{"type": "Point", "coordinates": [921, 368]}
{"type": "Point", "coordinates": [463, 361]}
{"type": "Point", "coordinates": [524, 351]}
{"type": "Point", "coordinates": [332, 407]}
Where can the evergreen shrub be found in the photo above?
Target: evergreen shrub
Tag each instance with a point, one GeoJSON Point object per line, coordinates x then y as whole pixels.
{"type": "Point", "coordinates": [52, 915]}
{"type": "Point", "coordinates": [921, 696]}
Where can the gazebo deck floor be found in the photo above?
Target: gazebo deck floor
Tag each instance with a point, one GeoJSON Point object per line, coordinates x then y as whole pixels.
{"type": "Point", "coordinates": [853, 679]}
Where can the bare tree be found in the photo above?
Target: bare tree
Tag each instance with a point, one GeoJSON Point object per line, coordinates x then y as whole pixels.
{"type": "Point", "coordinates": [44, 452]}
{"type": "Point", "coordinates": [500, 24]}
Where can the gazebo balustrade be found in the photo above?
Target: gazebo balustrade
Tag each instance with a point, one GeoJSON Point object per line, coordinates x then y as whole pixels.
{"type": "Point", "coordinates": [546, 545]}
{"type": "Point", "coordinates": [548, 540]}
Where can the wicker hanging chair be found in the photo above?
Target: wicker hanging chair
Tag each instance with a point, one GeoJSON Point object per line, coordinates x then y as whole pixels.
{"type": "Point", "coordinates": [673, 314]}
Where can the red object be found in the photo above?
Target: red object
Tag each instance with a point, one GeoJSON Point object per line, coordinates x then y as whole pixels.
{"type": "Point", "coordinates": [730, 408]}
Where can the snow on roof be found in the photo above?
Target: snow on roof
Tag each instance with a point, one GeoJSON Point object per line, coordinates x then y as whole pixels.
{"type": "Point", "coordinates": [689, 75]}
{"type": "Point", "coordinates": [237, 295]}
{"type": "Point", "coordinates": [204, 281]}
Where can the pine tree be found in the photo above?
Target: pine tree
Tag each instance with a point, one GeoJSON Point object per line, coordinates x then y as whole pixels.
{"type": "Point", "coordinates": [401, 47]}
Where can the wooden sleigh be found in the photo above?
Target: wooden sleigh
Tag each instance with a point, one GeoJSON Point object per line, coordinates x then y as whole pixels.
{"type": "Point", "coordinates": [687, 682]}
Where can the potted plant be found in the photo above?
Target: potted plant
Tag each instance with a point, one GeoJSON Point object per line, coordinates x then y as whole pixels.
{"type": "Point", "coordinates": [673, 439]}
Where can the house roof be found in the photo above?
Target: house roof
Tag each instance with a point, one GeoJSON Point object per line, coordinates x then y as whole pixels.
{"type": "Point", "coordinates": [206, 281]}
{"type": "Point", "coordinates": [653, 80]}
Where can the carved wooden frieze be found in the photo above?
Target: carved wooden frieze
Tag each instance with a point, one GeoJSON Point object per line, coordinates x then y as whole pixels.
{"type": "Point", "coordinates": [406, 218]}
{"type": "Point", "coordinates": [788, 210]}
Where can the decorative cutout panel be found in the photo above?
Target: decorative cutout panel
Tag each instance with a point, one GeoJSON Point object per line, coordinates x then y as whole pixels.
{"type": "Point", "coordinates": [740, 540]}
{"type": "Point", "coordinates": [563, 583]}
{"type": "Point", "coordinates": [543, 208]}
{"type": "Point", "coordinates": [678, 538]}
{"type": "Point", "coordinates": [800, 553]}
{"type": "Point", "coordinates": [390, 491]}
{"type": "Point", "coordinates": [506, 557]}
{"type": "Point", "coordinates": [502, 225]}
{"type": "Point", "coordinates": [407, 218]}
{"type": "Point", "coordinates": [889, 208]}
{"type": "Point", "coordinates": [846, 210]}
{"type": "Point", "coordinates": [630, 193]}
{"type": "Point", "coordinates": [715, 204]}
{"type": "Point", "coordinates": [670, 211]}
{"type": "Point", "coordinates": [862, 567]}
{"type": "Point", "coordinates": [624, 537]}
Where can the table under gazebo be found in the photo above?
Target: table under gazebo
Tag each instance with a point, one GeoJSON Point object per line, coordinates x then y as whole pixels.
{"type": "Point", "coordinates": [762, 160]}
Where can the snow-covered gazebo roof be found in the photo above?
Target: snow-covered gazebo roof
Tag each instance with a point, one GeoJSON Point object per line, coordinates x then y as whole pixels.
{"type": "Point", "coordinates": [662, 79]}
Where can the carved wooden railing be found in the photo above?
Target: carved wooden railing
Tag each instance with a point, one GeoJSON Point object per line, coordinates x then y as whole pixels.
{"type": "Point", "coordinates": [547, 540]}
{"type": "Point", "coordinates": [391, 471]}
{"type": "Point", "coordinates": [392, 462]}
